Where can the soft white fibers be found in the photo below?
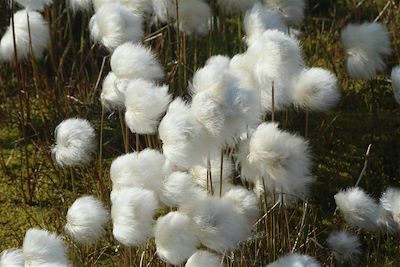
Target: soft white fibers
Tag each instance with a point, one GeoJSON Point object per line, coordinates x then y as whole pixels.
{"type": "Point", "coordinates": [204, 258]}
{"type": "Point", "coordinates": [175, 238]}
{"type": "Point", "coordinates": [390, 202]}
{"type": "Point", "coordinates": [359, 209]}
{"type": "Point", "coordinates": [231, 6]}
{"type": "Point", "coordinates": [80, 5]}
{"type": "Point", "coordinates": [113, 25]}
{"type": "Point", "coordinates": [145, 102]}
{"type": "Point", "coordinates": [395, 75]}
{"type": "Point", "coordinates": [316, 89]}
{"type": "Point", "coordinates": [345, 246]}
{"type": "Point", "coordinates": [365, 45]}
{"type": "Point", "coordinates": [12, 258]}
{"type": "Point", "coordinates": [111, 98]}
{"type": "Point", "coordinates": [295, 260]}
{"type": "Point", "coordinates": [133, 61]}
{"type": "Point", "coordinates": [34, 4]}
{"type": "Point", "coordinates": [246, 202]}
{"type": "Point", "coordinates": [292, 10]}
{"type": "Point", "coordinates": [41, 247]}
{"type": "Point", "coordinates": [34, 36]}
{"type": "Point", "coordinates": [86, 220]}
{"type": "Point", "coordinates": [75, 142]}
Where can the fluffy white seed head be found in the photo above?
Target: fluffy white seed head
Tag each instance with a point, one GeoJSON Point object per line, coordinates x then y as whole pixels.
{"type": "Point", "coordinates": [365, 46]}
{"type": "Point", "coordinates": [204, 258]}
{"type": "Point", "coordinates": [395, 75]}
{"type": "Point", "coordinates": [113, 24]}
{"type": "Point", "coordinates": [134, 61]}
{"type": "Point", "coordinates": [316, 89]}
{"type": "Point", "coordinates": [12, 258]}
{"type": "Point", "coordinates": [345, 246]}
{"type": "Point", "coordinates": [34, 4]}
{"type": "Point", "coordinates": [246, 202]}
{"type": "Point", "coordinates": [75, 142]}
{"type": "Point", "coordinates": [139, 7]}
{"type": "Point", "coordinates": [358, 209]}
{"type": "Point", "coordinates": [86, 220]}
{"type": "Point", "coordinates": [295, 260]}
{"type": "Point", "coordinates": [292, 10]}
{"type": "Point", "coordinates": [34, 36]}
{"type": "Point", "coordinates": [132, 213]}
{"type": "Point", "coordinates": [111, 98]}
{"type": "Point", "coordinates": [232, 6]}
{"type": "Point", "coordinates": [390, 202]}
{"type": "Point", "coordinates": [80, 5]}
{"type": "Point", "coordinates": [175, 238]}
{"type": "Point", "coordinates": [42, 248]}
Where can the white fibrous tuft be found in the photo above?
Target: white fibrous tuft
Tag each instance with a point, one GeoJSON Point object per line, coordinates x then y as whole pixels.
{"type": "Point", "coordinates": [134, 61]}
{"type": "Point", "coordinates": [395, 75]}
{"type": "Point", "coordinates": [316, 89]}
{"type": "Point", "coordinates": [146, 169]}
{"type": "Point", "coordinates": [132, 212]}
{"type": "Point", "coordinates": [292, 10]}
{"type": "Point", "coordinates": [179, 189]}
{"type": "Point", "coordinates": [359, 209]}
{"type": "Point", "coordinates": [246, 202]}
{"type": "Point", "coordinates": [232, 6]}
{"type": "Point", "coordinates": [34, 4]}
{"type": "Point", "coordinates": [145, 103]}
{"type": "Point", "coordinates": [113, 24]}
{"type": "Point", "coordinates": [34, 35]}
{"type": "Point", "coordinates": [12, 258]}
{"type": "Point", "coordinates": [112, 98]}
{"type": "Point", "coordinates": [86, 220]}
{"type": "Point", "coordinates": [365, 45]}
{"type": "Point", "coordinates": [75, 143]}
{"type": "Point", "coordinates": [218, 224]}
{"type": "Point", "coordinates": [345, 246]}
{"type": "Point", "coordinates": [390, 202]}
{"type": "Point", "coordinates": [258, 19]}
{"type": "Point", "coordinates": [283, 160]}
{"type": "Point", "coordinates": [295, 260]}
{"type": "Point", "coordinates": [193, 15]}
{"type": "Point", "coordinates": [175, 238]}
{"type": "Point", "coordinates": [80, 5]}
{"type": "Point", "coordinates": [42, 248]}
{"type": "Point", "coordinates": [204, 258]}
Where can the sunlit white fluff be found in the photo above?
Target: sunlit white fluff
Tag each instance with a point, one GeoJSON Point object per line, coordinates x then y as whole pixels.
{"type": "Point", "coordinates": [145, 169]}
{"type": "Point", "coordinates": [35, 36]}
{"type": "Point", "coordinates": [218, 224]}
{"type": "Point", "coordinates": [259, 19]}
{"type": "Point", "coordinates": [111, 98]}
{"type": "Point", "coordinates": [113, 25]}
{"type": "Point", "coordinates": [231, 6]}
{"type": "Point", "coordinates": [132, 213]}
{"type": "Point", "coordinates": [86, 220]}
{"type": "Point", "coordinates": [193, 15]}
{"type": "Point", "coordinates": [12, 258]}
{"type": "Point", "coordinates": [245, 201]}
{"type": "Point", "coordinates": [316, 89]}
{"type": "Point", "coordinates": [390, 202]}
{"type": "Point", "coordinates": [365, 46]}
{"type": "Point", "coordinates": [34, 4]}
{"type": "Point", "coordinates": [345, 246]}
{"type": "Point", "coordinates": [204, 258]}
{"type": "Point", "coordinates": [295, 260]}
{"type": "Point", "coordinates": [292, 10]}
{"type": "Point", "coordinates": [145, 102]}
{"type": "Point", "coordinates": [139, 7]}
{"type": "Point", "coordinates": [42, 248]}
{"type": "Point", "coordinates": [80, 5]}
{"type": "Point", "coordinates": [175, 238]}
{"type": "Point", "coordinates": [358, 208]}
{"type": "Point", "coordinates": [75, 142]}
{"type": "Point", "coordinates": [133, 61]}
{"type": "Point", "coordinates": [395, 75]}
{"type": "Point", "coordinates": [179, 188]}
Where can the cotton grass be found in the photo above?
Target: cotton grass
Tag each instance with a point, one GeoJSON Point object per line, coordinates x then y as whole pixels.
{"type": "Point", "coordinates": [292, 10]}
{"type": "Point", "coordinates": [34, 4]}
{"type": "Point", "coordinates": [12, 258]}
{"type": "Point", "coordinates": [395, 75]}
{"type": "Point", "coordinates": [345, 246]}
{"type": "Point", "coordinates": [111, 97]}
{"type": "Point", "coordinates": [204, 258]}
{"type": "Point", "coordinates": [295, 260]}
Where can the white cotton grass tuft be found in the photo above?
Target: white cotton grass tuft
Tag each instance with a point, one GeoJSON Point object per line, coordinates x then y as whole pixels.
{"type": "Point", "coordinates": [111, 98]}
{"type": "Point", "coordinates": [134, 61]}
{"type": "Point", "coordinates": [316, 89]}
{"type": "Point", "coordinates": [175, 238]}
{"type": "Point", "coordinates": [291, 10]}
{"type": "Point", "coordinates": [245, 201]}
{"type": "Point", "coordinates": [258, 19]}
{"type": "Point", "coordinates": [204, 258]}
{"type": "Point", "coordinates": [345, 246]}
{"type": "Point", "coordinates": [232, 6]}
{"type": "Point", "coordinates": [390, 202]}
{"type": "Point", "coordinates": [12, 258]}
{"type": "Point", "coordinates": [86, 220]}
{"type": "Point", "coordinates": [365, 46]}
{"type": "Point", "coordinates": [35, 36]}
{"type": "Point", "coordinates": [132, 212]}
{"type": "Point", "coordinates": [218, 224]}
{"type": "Point", "coordinates": [145, 103]}
{"type": "Point", "coordinates": [75, 143]}
{"type": "Point", "coordinates": [80, 5]}
{"type": "Point", "coordinates": [295, 260]}
{"type": "Point", "coordinates": [34, 4]}
{"type": "Point", "coordinates": [138, 7]}
{"type": "Point", "coordinates": [113, 24]}
{"type": "Point", "coordinates": [42, 248]}
{"type": "Point", "coordinates": [358, 208]}
{"type": "Point", "coordinates": [395, 76]}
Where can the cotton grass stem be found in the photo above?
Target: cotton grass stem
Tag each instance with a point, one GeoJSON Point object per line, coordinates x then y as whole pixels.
{"type": "Point", "coordinates": [221, 169]}
{"type": "Point", "coordinates": [273, 102]}
{"type": "Point", "coordinates": [365, 165]}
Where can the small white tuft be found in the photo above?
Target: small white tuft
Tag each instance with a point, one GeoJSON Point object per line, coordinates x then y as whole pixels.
{"type": "Point", "coordinates": [34, 4]}
{"type": "Point", "coordinates": [246, 202]}
{"type": "Point", "coordinates": [203, 258]}
{"type": "Point", "coordinates": [111, 98]}
{"type": "Point", "coordinates": [80, 5]}
{"type": "Point", "coordinates": [390, 202]}
{"type": "Point", "coordinates": [345, 246]}
{"type": "Point", "coordinates": [12, 258]}
{"type": "Point", "coordinates": [291, 10]}
{"type": "Point", "coordinates": [295, 260]}
{"type": "Point", "coordinates": [395, 75]}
